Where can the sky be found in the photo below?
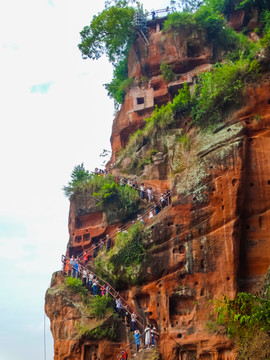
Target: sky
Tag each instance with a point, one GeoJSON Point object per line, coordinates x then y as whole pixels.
{"type": "Point", "coordinates": [54, 114]}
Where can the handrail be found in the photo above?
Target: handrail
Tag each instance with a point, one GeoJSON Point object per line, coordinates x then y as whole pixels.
{"type": "Point", "coordinates": [125, 227]}
{"type": "Point", "coordinates": [129, 344]}
{"type": "Point", "coordinates": [113, 293]}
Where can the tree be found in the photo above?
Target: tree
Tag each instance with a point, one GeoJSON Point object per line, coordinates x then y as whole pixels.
{"type": "Point", "coordinates": [78, 176]}
{"type": "Point", "coordinates": [110, 32]}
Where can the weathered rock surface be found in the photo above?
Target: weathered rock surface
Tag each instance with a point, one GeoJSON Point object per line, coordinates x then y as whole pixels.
{"type": "Point", "coordinates": [212, 240]}
{"type": "Point", "coordinates": [67, 313]}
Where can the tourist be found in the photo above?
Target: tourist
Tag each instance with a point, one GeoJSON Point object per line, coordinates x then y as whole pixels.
{"type": "Point", "coordinates": [126, 314]}
{"type": "Point", "coordinates": [85, 258]}
{"type": "Point", "coordinates": [151, 215]}
{"type": "Point", "coordinates": [76, 267]}
{"type": "Point", "coordinates": [150, 194]}
{"type": "Point", "coordinates": [133, 321]}
{"type": "Point", "coordinates": [153, 335]}
{"type": "Point", "coordinates": [137, 339]}
{"type": "Point", "coordinates": [119, 306]}
{"type": "Point", "coordinates": [135, 184]}
{"type": "Point", "coordinates": [162, 201]}
{"type": "Point", "coordinates": [108, 289]}
{"type": "Point", "coordinates": [101, 244]}
{"type": "Point", "coordinates": [91, 278]}
{"type": "Point", "coordinates": [169, 197]}
{"type": "Point", "coordinates": [142, 221]}
{"type": "Point", "coordinates": [142, 191]}
{"type": "Point", "coordinates": [84, 277]}
{"type": "Point", "coordinates": [67, 266]}
{"type": "Point", "coordinates": [124, 355]}
{"type": "Point", "coordinates": [72, 265]}
{"type": "Point", "coordinates": [122, 182]}
{"type": "Point", "coordinates": [108, 242]}
{"type": "Point", "coordinates": [103, 289]}
{"type": "Point", "coordinates": [156, 208]}
{"type": "Point", "coordinates": [95, 287]}
{"type": "Point", "coordinates": [147, 336]}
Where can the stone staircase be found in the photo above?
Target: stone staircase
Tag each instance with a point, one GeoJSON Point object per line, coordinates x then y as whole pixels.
{"type": "Point", "coordinates": [146, 354]}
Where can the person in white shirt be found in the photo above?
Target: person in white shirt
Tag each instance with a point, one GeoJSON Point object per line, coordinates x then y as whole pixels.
{"type": "Point", "coordinates": [133, 321]}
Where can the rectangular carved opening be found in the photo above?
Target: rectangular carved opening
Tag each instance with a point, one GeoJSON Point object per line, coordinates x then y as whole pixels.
{"type": "Point", "coordinates": [140, 100]}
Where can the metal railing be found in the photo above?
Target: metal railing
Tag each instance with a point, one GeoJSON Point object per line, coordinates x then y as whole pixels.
{"type": "Point", "coordinates": [82, 270]}
{"type": "Point", "coordinates": [104, 241]}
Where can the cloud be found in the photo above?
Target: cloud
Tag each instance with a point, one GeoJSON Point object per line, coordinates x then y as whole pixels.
{"type": "Point", "coordinates": [41, 88]}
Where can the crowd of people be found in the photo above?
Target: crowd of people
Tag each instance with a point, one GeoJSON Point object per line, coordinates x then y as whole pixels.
{"type": "Point", "coordinates": [148, 337]}
{"type": "Point", "coordinates": [75, 267]}
{"type": "Point", "coordinates": [164, 200]}
{"type": "Point", "coordinates": [72, 267]}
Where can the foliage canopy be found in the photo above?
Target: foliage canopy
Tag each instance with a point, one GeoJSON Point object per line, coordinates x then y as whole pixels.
{"type": "Point", "coordinates": [110, 32]}
{"type": "Point", "coordinates": [122, 264]}
{"type": "Point", "coordinates": [119, 202]}
{"type": "Point", "coordinates": [247, 321]}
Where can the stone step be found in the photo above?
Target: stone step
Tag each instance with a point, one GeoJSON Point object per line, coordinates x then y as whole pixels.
{"type": "Point", "coordinates": [146, 354]}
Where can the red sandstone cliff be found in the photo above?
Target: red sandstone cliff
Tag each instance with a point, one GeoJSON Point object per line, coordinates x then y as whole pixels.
{"type": "Point", "coordinates": [212, 240]}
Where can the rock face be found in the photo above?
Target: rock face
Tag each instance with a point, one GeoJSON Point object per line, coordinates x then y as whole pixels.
{"type": "Point", "coordinates": [67, 313]}
{"type": "Point", "coordinates": [212, 240]}
{"type": "Point", "coordinates": [187, 58]}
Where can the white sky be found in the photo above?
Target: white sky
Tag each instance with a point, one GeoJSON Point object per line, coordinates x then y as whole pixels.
{"type": "Point", "coordinates": [54, 114]}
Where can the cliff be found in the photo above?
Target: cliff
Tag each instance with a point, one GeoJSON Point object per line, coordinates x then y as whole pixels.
{"type": "Point", "coordinates": [212, 239]}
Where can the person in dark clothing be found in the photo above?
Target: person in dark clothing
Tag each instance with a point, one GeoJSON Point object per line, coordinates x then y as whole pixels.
{"type": "Point", "coordinates": [157, 208]}
{"type": "Point", "coordinates": [168, 197]}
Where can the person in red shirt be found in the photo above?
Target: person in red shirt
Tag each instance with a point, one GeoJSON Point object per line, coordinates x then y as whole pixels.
{"type": "Point", "coordinates": [85, 258]}
{"type": "Point", "coordinates": [124, 355]}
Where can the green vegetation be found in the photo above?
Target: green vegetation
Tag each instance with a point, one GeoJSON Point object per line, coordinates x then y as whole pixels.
{"type": "Point", "coordinates": [119, 202]}
{"type": "Point", "coordinates": [167, 72]}
{"type": "Point", "coordinates": [110, 32]}
{"type": "Point", "coordinates": [79, 178]}
{"type": "Point", "coordinates": [137, 165]}
{"type": "Point", "coordinates": [100, 306]}
{"type": "Point", "coordinates": [204, 20]}
{"type": "Point", "coordinates": [76, 285]}
{"type": "Point", "coordinates": [122, 264]}
{"type": "Point", "coordinates": [120, 83]}
{"type": "Point", "coordinates": [246, 320]}
{"type": "Point", "coordinates": [100, 332]}
{"type": "Point", "coordinates": [162, 118]}
{"type": "Point", "coordinates": [185, 141]}
{"type": "Point", "coordinates": [221, 88]}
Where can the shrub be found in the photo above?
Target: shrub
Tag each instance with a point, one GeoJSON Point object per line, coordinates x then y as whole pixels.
{"type": "Point", "coordinates": [79, 176]}
{"type": "Point", "coordinates": [76, 285]}
{"type": "Point", "coordinates": [120, 82]}
{"type": "Point", "coordinates": [221, 88]}
{"type": "Point", "coordinates": [246, 320]}
{"type": "Point", "coordinates": [122, 264]}
{"type": "Point", "coordinates": [99, 332]}
{"type": "Point", "coordinates": [166, 72]}
{"type": "Point", "coordinates": [119, 202]}
{"type": "Point", "coordinates": [100, 306]}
